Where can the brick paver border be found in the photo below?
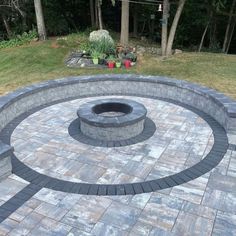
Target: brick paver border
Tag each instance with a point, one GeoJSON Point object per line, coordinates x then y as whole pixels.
{"type": "Point", "coordinates": [75, 133]}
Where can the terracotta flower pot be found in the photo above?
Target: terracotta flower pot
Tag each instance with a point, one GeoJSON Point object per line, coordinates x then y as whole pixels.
{"type": "Point", "coordinates": [111, 64]}
{"type": "Point", "coordinates": [127, 63]}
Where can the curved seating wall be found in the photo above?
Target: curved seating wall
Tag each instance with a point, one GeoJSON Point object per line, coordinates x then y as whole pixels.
{"type": "Point", "coordinates": [222, 108]}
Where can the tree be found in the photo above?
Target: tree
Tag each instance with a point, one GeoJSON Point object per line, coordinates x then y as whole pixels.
{"type": "Point", "coordinates": [17, 7]}
{"type": "Point", "coordinates": [214, 9]}
{"type": "Point", "coordinates": [164, 35]}
{"type": "Point", "coordinates": [204, 35]}
{"type": "Point", "coordinates": [135, 20]}
{"type": "Point", "coordinates": [92, 13]}
{"type": "Point", "coordinates": [167, 40]}
{"type": "Point", "coordinates": [174, 27]}
{"type": "Point", "coordinates": [40, 20]}
{"type": "Point", "coordinates": [124, 37]}
{"type": "Point", "coordinates": [210, 13]}
{"type": "Point", "coordinates": [231, 35]}
{"type": "Point", "coordinates": [10, 8]}
{"type": "Point", "coordinates": [7, 26]}
{"type": "Point", "coordinates": [99, 14]}
{"type": "Point", "coordinates": [230, 25]}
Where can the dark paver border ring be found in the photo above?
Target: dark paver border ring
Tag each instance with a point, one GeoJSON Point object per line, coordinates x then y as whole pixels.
{"type": "Point", "coordinates": [207, 164]}
{"type": "Point", "coordinates": [75, 132]}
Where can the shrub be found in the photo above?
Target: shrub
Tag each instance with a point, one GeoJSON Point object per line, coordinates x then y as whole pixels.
{"type": "Point", "coordinates": [100, 35]}
{"type": "Point", "coordinates": [103, 46]}
{"type": "Point", "coordinates": [102, 42]}
{"type": "Point", "coordinates": [19, 40]}
{"type": "Point", "coordinates": [95, 54]}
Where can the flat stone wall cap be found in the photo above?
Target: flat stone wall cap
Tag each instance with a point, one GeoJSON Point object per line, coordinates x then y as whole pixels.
{"type": "Point", "coordinates": [232, 110]}
{"type": "Point", "coordinates": [5, 150]}
{"type": "Point", "coordinates": [220, 99]}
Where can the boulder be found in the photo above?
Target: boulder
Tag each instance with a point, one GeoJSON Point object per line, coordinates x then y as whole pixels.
{"type": "Point", "coordinates": [178, 51]}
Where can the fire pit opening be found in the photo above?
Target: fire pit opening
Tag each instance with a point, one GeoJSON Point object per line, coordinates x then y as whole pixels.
{"type": "Point", "coordinates": [112, 109]}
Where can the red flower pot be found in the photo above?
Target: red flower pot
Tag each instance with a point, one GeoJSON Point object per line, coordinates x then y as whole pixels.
{"type": "Point", "coordinates": [110, 64]}
{"type": "Point", "coordinates": [127, 63]}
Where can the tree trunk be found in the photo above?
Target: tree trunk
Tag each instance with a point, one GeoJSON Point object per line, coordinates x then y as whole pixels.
{"type": "Point", "coordinates": [124, 37]}
{"type": "Point", "coordinates": [231, 35]}
{"type": "Point", "coordinates": [135, 21]}
{"type": "Point", "coordinates": [227, 33]}
{"type": "Point", "coordinates": [213, 38]}
{"type": "Point", "coordinates": [203, 36]}
{"type": "Point", "coordinates": [96, 15]}
{"type": "Point", "coordinates": [174, 27]}
{"type": "Point", "coordinates": [100, 24]}
{"type": "Point", "coordinates": [40, 20]}
{"type": "Point", "coordinates": [92, 13]}
{"type": "Point", "coordinates": [164, 31]}
{"type": "Point", "coordinates": [7, 26]}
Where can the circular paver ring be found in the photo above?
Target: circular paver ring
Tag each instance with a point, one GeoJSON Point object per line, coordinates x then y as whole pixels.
{"type": "Point", "coordinates": [75, 133]}
{"type": "Point", "coordinates": [207, 164]}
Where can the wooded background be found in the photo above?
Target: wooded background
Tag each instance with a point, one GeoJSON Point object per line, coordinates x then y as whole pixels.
{"type": "Point", "coordinates": [209, 24]}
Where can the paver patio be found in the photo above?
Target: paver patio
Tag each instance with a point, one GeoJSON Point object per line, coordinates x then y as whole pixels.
{"type": "Point", "coordinates": [204, 206]}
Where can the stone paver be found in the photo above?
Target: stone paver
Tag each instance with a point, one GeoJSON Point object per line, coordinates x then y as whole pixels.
{"type": "Point", "coordinates": [9, 187]}
{"type": "Point", "coordinates": [188, 224]}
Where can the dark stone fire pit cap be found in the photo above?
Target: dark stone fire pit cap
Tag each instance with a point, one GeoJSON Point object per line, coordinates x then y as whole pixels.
{"type": "Point", "coordinates": [137, 112]}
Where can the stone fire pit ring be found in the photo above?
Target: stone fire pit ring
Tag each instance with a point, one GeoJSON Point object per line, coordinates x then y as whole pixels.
{"type": "Point", "coordinates": [112, 119]}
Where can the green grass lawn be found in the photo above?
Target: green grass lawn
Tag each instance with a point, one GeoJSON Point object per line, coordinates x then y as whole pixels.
{"type": "Point", "coordinates": [41, 61]}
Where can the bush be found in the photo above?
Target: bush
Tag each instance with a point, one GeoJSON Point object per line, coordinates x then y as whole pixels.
{"type": "Point", "coordinates": [19, 40]}
{"type": "Point", "coordinates": [103, 46]}
{"type": "Point", "coordinates": [102, 42]}
{"type": "Point", "coordinates": [100, 35]}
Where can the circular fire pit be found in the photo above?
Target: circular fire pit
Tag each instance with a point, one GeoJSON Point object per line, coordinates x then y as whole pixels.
{"type": "Point", "coordinates": [112, 119]}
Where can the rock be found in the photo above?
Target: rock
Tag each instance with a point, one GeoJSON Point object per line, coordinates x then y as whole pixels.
{"type": "Point", "coordinates": [100, 35]}
{"type": "Point", "coordinates": [178, 51]}
{"type": "Point", "coordinates": [140, 50]}
{"type": "Point", "coordinates": [84, 62]}
{"type": "Point", "coordinates": [143, 38]}
{"type": "Point", "coordinates": [150, 50]}
{"type": "Point", "coordinates": [78, 59]}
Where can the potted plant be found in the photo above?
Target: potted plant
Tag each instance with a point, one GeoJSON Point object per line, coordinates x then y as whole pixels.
{"type": "Point", "coordinates": [95, 57]}
{"type": "Point", "coordinates": [131, 56]}
{"type": "Point", "coordinates": [127, 63]}
{"type": "Point", "coordinates": [102, 59]}
{"type": "Point", "coordinates": [118, 63]}
{"type": "Point", "coordinates": [111, 61]}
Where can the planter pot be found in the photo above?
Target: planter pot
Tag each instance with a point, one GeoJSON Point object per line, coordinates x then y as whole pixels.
{"type": "Point", "coordinates": [127, 63]}
{"type": "Point", "coordinates": [118, 64]}
{"type": "Point", "coordinates": [111, 64]}
{"type": "Point", "coordinates": [95, 61]}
